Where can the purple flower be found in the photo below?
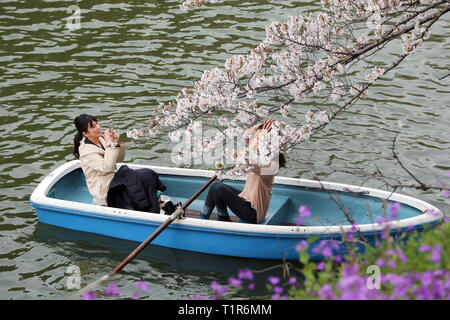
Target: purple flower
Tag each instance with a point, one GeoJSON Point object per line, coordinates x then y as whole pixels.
{"type": "Point", "coordinates": [299, 222]}
{"type": "Point", "coordinates": [135, 295]}
{"type": "Point", "coordinates": [302, 244]}
{"type": "Point", "coordinates": [438, 289]}
{"type": "Point", "coordinates": [274, 280]}
{"type": "Point", "coordinates": [425, 247]}
{"type": "Point", "coordinates": [292, 280]}
{"type": "Point", "coordinates": [447, 193]}
{"type": "Point", "coordinates": [245, 274]}
{"type": "Point", "coordinates": [326, 292]}
{"type": "Point", "coordinates": [438, 273]}
{"type": "Point", "coordinates": [385, 233]}
{"type": "Point", "coordinates": [304, 212]}
{"type": "Point", "coordinates": [88, 295]}
{"type": "Point", "coordinates": [321, 266]}
{"type": "Point", "coordinates": [390, 252]}
{"type": "Point", "coordinates": [394, 208]}
{"type": "Point", "coordinates": [218, 288]}
{"type": "Point", "coordinates": [436, 254]}
{"type": "Point", "coordinates": [381, 219]}
{"type": "Point", "coordinates": [327, 252]}
{"type": "Point", "coordinates": [141, 285]}
{"type": "Point", "coordinates": [112, 289]}
{"type": "Point", "coordinates": [381, 262]}
{"type": "Point", "coordinates": [433, 212]}
{"type": "Point", "coordinates": [277, 290]}
{"type": "Point", "coordinates": [334, 245]}
{"type": "Point", "coordinates": [251, 286]}
{"type": "Point", "coordinates": [350, 270]}
{"type": "Point", "coordinates": [399, 291]}
{"type": "Point", "coordinates": [275, 296]}
{"type": "Point", "coordinates": [325, 248]}
{"type": "Point", "coordinates": [392, 263]}
{"type": "Point", "coordinates": [402, 256]}
{"type": "Point", "coordinates": [427, 278]}
{"type": "Point", "coordinates": [234, 282]}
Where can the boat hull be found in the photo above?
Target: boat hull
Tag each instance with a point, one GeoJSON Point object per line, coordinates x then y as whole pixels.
{"type": "Point", "coordinates": [211, 237]}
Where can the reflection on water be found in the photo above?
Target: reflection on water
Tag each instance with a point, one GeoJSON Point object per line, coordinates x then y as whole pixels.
{"type": "Point", "coordinates": [126, 58]}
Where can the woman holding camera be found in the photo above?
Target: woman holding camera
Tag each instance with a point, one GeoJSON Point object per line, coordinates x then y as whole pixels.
{"type": "Point", "coordinates": [99, 154]}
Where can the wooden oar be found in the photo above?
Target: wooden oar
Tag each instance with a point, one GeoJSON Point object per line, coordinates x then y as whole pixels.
{"type": "Point", "coordinates": [175, 215]}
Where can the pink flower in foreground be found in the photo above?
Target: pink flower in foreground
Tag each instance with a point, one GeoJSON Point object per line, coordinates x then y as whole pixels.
{"type": "Point", "coordinates": [245, 274]}
{"type": "Point", "coordinates": [394, 208]}
{"type": "Point", "coordinates": [88, 295]}
{"type": "Point", "coordinates": [112, 290]}
{"type": "Point", "coordinates": [141, 285]}
{"type": "Point", "coordinates": [301, 245]}
{"type": "Point", "coordinates": [436, 254]}
{"type": "Point", "coordinates": [320, 266]}
{"type": "Point", "coordinates": [219, 289]}
{"type": "Point", "coordinates": [235, 282]}
{"type": "Point", "coordinates": [304, 212]}
{"type": "Point", "coordinates": [274, 280]}
{"type": "Point", "coordinates": [326, 292]}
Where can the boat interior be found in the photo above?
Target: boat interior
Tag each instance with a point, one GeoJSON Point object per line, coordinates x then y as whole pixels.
{"type": "Point", "coordinates": [327, 207]}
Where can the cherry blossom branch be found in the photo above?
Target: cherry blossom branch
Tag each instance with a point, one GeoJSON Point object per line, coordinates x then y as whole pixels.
{"type": "Point", "coordinates": [305, 58]}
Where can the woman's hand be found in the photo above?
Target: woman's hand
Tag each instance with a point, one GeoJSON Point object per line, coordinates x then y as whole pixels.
{"type": "Point", "coordinates": [107, 137]}
{"type": "Point", "coordinates": [261, 129]}
{"type": "Point", "coordinates": [111, 137]}
{"type": "Point", "coordinates": [115, 138]}
{"type": "Point", "coordinates": [267, 125]}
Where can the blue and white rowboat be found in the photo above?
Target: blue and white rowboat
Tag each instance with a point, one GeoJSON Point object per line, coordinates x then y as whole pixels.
{"type": "Point", "coordinates": [62, 199]}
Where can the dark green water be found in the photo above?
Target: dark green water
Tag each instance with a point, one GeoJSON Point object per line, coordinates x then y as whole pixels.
{"type": "Point", "coordinates": [125, 59]}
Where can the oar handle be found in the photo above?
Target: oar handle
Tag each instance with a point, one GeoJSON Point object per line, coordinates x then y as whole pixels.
{"type": "Point", "coordinates": [173, 217]}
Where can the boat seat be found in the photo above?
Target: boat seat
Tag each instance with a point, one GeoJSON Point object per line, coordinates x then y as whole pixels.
{"type": "Point", "coordinates": [278, 210]}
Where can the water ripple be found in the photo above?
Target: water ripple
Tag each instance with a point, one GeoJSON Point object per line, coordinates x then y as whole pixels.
{"type": "Point", "coordinates": [125, 59]}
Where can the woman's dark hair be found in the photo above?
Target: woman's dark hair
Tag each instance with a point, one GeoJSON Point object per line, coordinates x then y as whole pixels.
{"type": "Point", "coordinates": [282, 160]}
{"type": "Point", "coordinates": [82, 123]}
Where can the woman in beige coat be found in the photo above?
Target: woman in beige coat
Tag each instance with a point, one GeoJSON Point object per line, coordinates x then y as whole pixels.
{"type": "Point", "coordinates": [99, 155]}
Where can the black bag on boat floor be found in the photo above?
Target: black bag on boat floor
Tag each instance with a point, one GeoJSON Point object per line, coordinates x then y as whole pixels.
{"type": "Point", "coordinates": [135, 189]}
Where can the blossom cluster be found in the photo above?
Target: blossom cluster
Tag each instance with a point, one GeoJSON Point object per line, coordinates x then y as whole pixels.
{"type": "Point", "coordinates": [308, 56]}
{"type": "Point", "coordinates": [187, 4]}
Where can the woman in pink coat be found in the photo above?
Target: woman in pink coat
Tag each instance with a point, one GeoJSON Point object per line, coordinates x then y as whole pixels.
{"type": "Point", "coordinates": [251, 203]}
